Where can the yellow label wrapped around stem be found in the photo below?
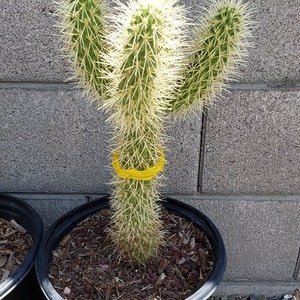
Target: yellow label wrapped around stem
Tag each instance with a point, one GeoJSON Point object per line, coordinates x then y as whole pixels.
{"type": "Point", "coordinates": [147, 174]}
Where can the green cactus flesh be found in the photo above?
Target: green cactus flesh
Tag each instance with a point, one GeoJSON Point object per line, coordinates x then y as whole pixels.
{"type": "Point", "coordinates": [217, 49]}
{"type": "Point", "coordinates": [84, 32]}
{"type": "Point", "coordinates": [136, 227]}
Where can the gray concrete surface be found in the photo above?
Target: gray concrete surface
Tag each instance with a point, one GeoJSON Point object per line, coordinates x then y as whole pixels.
{"type": "Point", "coordinates": [182, 155]}
{"type": "Point", "coordinates": [266, 288]}
{"type": "Point", "coordinates": [261, 235]}
{"type": "Point", "coordinates": [51, 141]}
{"type": "Point", "coordinates": [52, 206]}
{"type": "Point", "coordinates": [252, 143]}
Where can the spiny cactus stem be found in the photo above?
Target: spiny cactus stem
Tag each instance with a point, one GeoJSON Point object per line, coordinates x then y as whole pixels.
{"type": "Point", "coordinates": [145, 66]}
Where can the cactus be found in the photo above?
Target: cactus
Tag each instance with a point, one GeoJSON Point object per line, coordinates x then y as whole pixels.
{"type": "Point", "coordinates": [144, 64]}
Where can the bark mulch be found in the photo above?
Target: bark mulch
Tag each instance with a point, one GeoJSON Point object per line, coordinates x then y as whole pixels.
{"type": "Point", "coordinates": [84, 265]}
{"type": "Point", "coordinates": [15, 243]}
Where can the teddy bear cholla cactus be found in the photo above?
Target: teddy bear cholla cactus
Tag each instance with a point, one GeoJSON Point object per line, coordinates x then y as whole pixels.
{"type": "Point", "coordinates": [141, 65]}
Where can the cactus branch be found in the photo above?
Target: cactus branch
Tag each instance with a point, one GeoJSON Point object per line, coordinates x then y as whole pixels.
{"type": "Point", "coordinates": [83, 29]}
{"type": "Point", "coordinates": [219, 46]}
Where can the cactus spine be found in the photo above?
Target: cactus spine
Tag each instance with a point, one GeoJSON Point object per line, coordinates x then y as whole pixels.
{"type": "Point", "coordinates": [146, 67]}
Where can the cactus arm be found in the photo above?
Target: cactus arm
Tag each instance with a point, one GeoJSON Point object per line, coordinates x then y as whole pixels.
{"type": "Point", "coordinates": [83, 29]}
{"type": "Point", "coordinates": [219, 46]}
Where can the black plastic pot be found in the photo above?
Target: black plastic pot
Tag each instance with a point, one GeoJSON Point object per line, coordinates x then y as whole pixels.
{"type": "Point", "coordinates": [22, 283]}
{"type": "Point", "coordinates": [66, 223]}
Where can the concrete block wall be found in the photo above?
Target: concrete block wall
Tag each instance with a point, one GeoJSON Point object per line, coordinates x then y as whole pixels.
{"type": "Point", "coordinates": [239, 162]}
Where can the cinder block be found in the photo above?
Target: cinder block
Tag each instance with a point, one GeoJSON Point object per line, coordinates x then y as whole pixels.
{"type": "Point", "coordinates": [56, 142]}
{"type": "Point", "coordinates": [52, 141]}
{"type": "Point", "coordinates": [274, 56]}
{"type": "Point", "coordinates": [30, 47]}
{"type": "Point", "coordinates": [50, 206]}
{"type": "Point", "coordinates": [252, 144]}
{"type": "Point", "coordinates": [261, 235]}
{"type": "Point", "coordinates": [273, 289]}
{"type": "Point", "coordinates": [182, 156]}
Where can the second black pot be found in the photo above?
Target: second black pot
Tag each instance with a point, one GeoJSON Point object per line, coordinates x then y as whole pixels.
{"type": "Point", "coordinates": [22, 283]}
{"type": "Point", "coordinates": [66, 223]}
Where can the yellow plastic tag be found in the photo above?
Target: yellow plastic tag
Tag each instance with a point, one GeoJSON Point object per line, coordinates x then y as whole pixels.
{"type": "Point", "coordinates": [147, 174]}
